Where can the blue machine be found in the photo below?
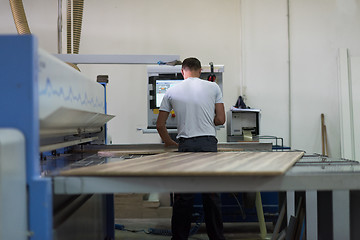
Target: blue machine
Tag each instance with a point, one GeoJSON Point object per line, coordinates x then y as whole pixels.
{"type": "Point", "coordinates": [20, 108]}
{"type": "Point", "coordinates": [21, 65]}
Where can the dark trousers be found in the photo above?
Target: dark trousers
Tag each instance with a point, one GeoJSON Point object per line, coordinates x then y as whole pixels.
{"type": "Point", "coordinates": [183, 202]}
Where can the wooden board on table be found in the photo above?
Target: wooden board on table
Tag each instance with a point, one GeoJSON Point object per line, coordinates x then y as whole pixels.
{"type": "Point", "coordinates": [140, 150]}
{"type": "Point", "coordinates": [119, 150]}
{"type": "Point", "coordinates": [119, 153]}
{"type": "Point", "coordinates": [196, 164]}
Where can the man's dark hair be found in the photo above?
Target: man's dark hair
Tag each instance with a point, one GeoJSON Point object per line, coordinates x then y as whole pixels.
{"type": "Point", "coordinates": [191, 64]}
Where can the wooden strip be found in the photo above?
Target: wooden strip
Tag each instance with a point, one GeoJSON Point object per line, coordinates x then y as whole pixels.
{"type": "Point", "coordinates": [355, 79]}
{"type": "Point", "coordinates": [346, 110]}
{"type": "Point", "coordinates": [119, 153]}
{"type": "Point", "coordinates": [323, 134]}
{"type": "Point", "coordinates": [196, 164]}
{"type": "Point", "coordinates": [122, 150]}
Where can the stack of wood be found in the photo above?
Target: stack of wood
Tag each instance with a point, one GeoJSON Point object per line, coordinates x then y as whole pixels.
{"type": "Point", "coordinates": [139, 205]}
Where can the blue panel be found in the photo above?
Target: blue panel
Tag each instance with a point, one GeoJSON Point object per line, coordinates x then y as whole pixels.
{"type": "Point", "coordinates": [40, 209]}
{"type": "Point", "coordinates": [105, 110]}
{"type": "Point", "coordinates": [109, 198]}
{"type": "Point", "coordinates": [110, 218]}
{"type": "Point", "coordinates": [19, 101]}
{"type": "Point", "coordinates": [19, 109]}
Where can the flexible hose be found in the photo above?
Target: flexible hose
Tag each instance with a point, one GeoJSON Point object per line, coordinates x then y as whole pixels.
{"type": "Point", "coordinates": [22, 27]}
{"type": "Point", "coordinates": [78, 9]}
{"type": "Point", "coordinates": [68, 26]}
{"type": "Point", "coordinates": [74, 14]}
{"type": "Point", "coordinates": [18, 12]}
{"type": "Point", "coordinates": [68, 33]}
{"type": "Point", "coordinates": [74, 66]}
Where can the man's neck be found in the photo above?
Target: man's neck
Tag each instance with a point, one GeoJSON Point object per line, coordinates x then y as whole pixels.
{"type": "Point", "coordinates": [192, 77]}
{"type": "Point", "coordinates": [191, 74]}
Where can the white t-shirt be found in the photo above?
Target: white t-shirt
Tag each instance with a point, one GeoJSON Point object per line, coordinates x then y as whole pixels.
{"type": "Point", "coordinates": [193, 101]}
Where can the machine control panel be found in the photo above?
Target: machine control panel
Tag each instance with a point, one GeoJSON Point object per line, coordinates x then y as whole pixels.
{"type": "Point", "coordinates": [161, 78]}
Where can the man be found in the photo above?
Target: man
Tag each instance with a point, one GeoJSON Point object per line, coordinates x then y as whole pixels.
{"type": "Point", "coordinates": [199, 108]}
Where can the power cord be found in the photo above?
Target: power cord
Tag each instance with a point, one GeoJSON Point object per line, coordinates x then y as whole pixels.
{"type": "Point", "coordinates": [164, 232]}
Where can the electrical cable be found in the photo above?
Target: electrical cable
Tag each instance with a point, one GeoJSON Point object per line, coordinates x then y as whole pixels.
{"type": "Point", "coordinates": [241, 209]}
{"type": "Point", "coordinates": [163, 232]}
{"type": "Point", "coordinates": [122, 228]}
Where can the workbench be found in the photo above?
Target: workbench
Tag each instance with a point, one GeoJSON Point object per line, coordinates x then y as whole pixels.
{"type": "Point", "coordinates": [323, 175]}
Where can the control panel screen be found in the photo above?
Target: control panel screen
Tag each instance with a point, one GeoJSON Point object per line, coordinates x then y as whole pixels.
{"type": "Point", "coordinates": [161, 87]}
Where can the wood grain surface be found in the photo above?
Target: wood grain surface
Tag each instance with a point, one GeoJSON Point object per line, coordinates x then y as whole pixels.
{"type": "Point", "coordinates": [155, 148]}
{"type": "Point", "coordinates": [195, 164]}
{"type": "Point", "coordinates": [119, 153]}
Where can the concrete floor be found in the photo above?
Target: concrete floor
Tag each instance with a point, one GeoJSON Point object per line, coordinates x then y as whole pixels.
{"type": "Point", "coordinates": [135, 227]}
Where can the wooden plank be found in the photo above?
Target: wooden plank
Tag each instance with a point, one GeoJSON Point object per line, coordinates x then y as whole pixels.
{"type": "Point", "coordinates": [346, 120]}
{"type": "Point", "coordinates": [155, 148]}
{"type": "Point", "coordinates": [355, 78]}
{"type": "Point", "coordinates": [119, 153]}
{"type": "Point", "coordinates": [146, 151]}
{"type": "Point", "coordinates": [196, 164]}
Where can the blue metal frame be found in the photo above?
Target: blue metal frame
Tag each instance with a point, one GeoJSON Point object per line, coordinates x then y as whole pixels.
{"type": "Point", "coordinates": [109, 198]}
{"type": "Point", "coordinates": [105, 109]}
{"type": "Point", "coordinates": [19, 109]}
{"type": "Point", "coordinates": [19, 106]}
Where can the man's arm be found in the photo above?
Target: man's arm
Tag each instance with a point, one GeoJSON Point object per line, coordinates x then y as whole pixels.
{"type": "Point", "coordinates": [161, 128]}
{"type": "Point", "coordinates": [219, 114]}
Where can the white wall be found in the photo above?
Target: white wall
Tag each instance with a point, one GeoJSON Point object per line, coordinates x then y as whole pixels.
{"type": "Point", "coordinates": [265, 64]}
{"type": "Point", "coordinates": [220, 31]}
{"type": "Point", "coordinates": [209, 30]}
{"type": "Point", "coordinates": [317, 30]}
{"type": "Point", "coordinates": [314, 88]}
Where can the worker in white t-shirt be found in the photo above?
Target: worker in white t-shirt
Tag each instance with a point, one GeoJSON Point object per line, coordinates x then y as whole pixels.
{"type": "Point", "coordinates": [199, 108]}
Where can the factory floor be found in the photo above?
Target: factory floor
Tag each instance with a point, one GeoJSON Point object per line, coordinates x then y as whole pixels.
{"type": "Point", "coordinates": [134, 230]}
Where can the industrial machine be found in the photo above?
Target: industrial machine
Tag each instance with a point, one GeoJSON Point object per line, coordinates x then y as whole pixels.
{"type": "Point", "coordinates": [243, 124]}
{"type": "Point", "coordinates": [49, 111]}
{"type": "Point", "coordinates": [47, 107]}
